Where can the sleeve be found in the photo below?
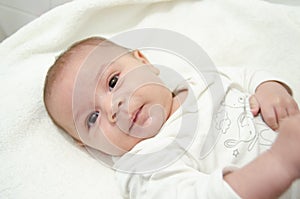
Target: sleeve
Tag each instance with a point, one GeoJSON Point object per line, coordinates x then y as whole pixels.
{"type": "Point", "coordinates": [248, 79]}
{"type": "Point", "coordinates": [176, 181]}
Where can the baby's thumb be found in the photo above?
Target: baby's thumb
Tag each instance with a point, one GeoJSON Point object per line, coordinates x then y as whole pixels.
{"type": "Point", "coordinates": [254, 105]}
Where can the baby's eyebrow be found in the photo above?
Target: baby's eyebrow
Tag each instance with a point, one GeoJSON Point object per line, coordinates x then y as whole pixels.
{"type": "Point", "coordinates": [102, 69]}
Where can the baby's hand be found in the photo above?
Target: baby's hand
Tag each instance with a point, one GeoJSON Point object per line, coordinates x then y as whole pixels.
{"type": "Point", "coordinates": [274, 103]}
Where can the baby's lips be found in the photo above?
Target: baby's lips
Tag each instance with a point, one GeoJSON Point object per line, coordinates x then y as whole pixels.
{"type": "Point", "coordinates": [135, 114]}
{"type": "Point", "coordinates": [141, 116]}
{"type": "Point", "coordinates": [153, 121]}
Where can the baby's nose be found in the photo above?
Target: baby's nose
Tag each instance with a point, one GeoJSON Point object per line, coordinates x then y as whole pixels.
{"type": "Point", "coordinates": [115, 108]}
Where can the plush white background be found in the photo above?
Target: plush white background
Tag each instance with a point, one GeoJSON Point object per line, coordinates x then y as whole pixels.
{"type": "Point", "coordinates": [16, 13]}
{"type": "Point", "coordinates": [37, 160]}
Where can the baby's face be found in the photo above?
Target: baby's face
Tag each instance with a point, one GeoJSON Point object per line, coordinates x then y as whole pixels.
{"type": "Point", "coordinates": [112, 108]}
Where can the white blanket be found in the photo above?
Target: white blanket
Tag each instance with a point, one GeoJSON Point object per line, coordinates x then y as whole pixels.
{"type": "Point", "coordinates": [37, 159]}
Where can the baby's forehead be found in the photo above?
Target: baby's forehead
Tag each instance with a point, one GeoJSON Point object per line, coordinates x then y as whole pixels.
{"type": "Point", "coordinates": [97, 59]}
{"type": "Point", "coordinates": [78, 61]}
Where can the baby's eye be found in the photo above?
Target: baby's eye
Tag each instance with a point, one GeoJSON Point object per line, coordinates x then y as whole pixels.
{"type": "Point", "coordinates": [113, 81]}
{"type": "Point", "coordinates": [92, 118]}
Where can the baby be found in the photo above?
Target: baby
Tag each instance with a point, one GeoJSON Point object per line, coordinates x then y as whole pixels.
{"type": "Point", "coordinates": [111, 98]}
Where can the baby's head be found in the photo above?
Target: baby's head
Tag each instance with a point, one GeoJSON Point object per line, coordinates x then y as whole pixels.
{"type": "Point", "coordinates": [106, 96]}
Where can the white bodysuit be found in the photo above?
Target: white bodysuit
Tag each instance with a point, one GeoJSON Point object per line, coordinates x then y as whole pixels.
{"type": "Point", "coordinates": [194, 149]}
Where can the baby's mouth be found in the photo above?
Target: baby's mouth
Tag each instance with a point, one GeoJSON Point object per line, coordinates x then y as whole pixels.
{"type": "Point", "coordinates": [135, 116]}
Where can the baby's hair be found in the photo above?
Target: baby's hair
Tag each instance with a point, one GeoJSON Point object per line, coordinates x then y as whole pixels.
{"type": "Point", "coordinates": [61, 63]}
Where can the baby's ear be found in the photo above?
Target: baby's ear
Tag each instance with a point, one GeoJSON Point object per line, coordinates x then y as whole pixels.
{"type": "Point", "coordinates": [139, 56]}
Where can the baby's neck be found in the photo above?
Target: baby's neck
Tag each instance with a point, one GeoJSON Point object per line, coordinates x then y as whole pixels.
{"type": "Point", "coordinates": [178, 98]}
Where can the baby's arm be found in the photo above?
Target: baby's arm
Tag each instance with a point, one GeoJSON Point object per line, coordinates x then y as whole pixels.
{"type": "Point", "coordinates": [269, 175]}
{"type": "Point", "coordinates": [274, 101]}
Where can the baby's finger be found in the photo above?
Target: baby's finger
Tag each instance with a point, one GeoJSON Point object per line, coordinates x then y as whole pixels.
{"type": "Point", "coordinates": [254, 105]}
{"type": "Point", "coordinates": [281, 113]}
{"type": "Point", "coordinates": [269, 116]}
{"type": "Point", "coordinates": [293, 109]}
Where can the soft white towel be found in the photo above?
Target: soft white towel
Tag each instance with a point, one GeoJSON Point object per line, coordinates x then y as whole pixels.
{"type": "Point", "coordinates": [37, 159]}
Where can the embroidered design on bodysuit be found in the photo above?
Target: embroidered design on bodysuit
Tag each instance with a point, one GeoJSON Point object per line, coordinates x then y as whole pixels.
{"type": "Point", "coordinates": [235, 121]}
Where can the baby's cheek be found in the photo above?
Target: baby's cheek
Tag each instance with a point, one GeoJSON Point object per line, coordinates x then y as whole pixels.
{"type": "Point", "coordinates": [121, 140]}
